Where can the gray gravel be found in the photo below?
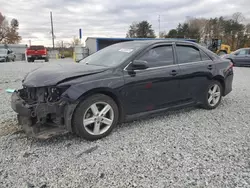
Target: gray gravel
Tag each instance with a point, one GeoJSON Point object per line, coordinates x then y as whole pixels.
{"type": "Point", "coordinates": [186, 148]}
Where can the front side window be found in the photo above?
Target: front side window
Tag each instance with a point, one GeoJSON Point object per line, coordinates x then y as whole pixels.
{"type": "Point", "coordinates": [159, 56]}
{"type": "Point", "coordinates": [187, 54]}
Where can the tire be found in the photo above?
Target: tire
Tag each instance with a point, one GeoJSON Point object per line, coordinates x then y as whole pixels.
{"type": "Point", "coordinates": [207, 103]}
{"type": "Point", "coordinates": [7, 59]}
{"type": "Point", "coordinates": [90, 130]}
{"type": "Point", "coordinates": [46, 60]}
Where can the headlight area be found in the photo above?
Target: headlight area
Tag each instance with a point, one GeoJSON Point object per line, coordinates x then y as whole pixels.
{"type": "Point", "coordinates": [53, 94]}
{"type": "Point", "coordinates": [43, 101]}
{"type": "Point", "coordinates": [42, 94]}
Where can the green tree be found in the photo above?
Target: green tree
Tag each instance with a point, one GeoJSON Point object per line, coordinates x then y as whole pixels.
{"type": "Point", "coordinates": [140, 30]}
{"type": "Point", "coordinates": [231, 31]}
{"type": "Point", "coordinates": [172, 33]}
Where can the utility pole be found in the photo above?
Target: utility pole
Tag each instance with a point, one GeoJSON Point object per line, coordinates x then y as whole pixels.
{"type": "Point", "coordinates": [52, 30]}
{"type": "Point", "coordinates": [159, 20]}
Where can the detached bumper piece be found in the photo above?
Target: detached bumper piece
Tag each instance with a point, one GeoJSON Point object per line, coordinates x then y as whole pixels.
{"type": "Point", "coordinates": [39, 120]}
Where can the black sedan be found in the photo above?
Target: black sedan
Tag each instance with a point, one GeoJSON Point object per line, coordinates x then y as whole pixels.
{"type": "Point", "coordinates": [120, 83]}
{"type": "Point", "coordinates": [240, 57]}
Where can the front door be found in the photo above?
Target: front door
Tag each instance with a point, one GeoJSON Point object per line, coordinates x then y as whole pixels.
{"type": "Point", "coordinates": [155, 87]}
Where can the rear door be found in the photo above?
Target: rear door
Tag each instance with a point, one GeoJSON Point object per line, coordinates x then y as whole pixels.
{"type": "Point", "coordinates": [196, 69]}
{"type": "Point", "coordinates": [155, 87]}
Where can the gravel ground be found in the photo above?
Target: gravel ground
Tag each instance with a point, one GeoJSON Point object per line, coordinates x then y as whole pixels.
{"type": "Point", "coordinates": [186, 148]}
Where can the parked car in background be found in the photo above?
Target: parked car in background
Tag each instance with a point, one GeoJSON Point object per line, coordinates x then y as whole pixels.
{"type": "Point", "coordinates": [7, 55]}
{"type": "Point", "coordinates": [37, 53]}
{"type": "Point", "coordinates": [240, 57]}
{"type": "Point", "coordinates": [119, 83]}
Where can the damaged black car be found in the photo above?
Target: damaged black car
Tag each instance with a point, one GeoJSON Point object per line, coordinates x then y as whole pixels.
{"type": "Point", "coordinates": [122, 82]}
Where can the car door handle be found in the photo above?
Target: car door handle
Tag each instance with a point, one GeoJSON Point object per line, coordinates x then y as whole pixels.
{"type": "Point", "coordinates": [173, 73]}
{"type": "Point", "coordinates": [210, 67]}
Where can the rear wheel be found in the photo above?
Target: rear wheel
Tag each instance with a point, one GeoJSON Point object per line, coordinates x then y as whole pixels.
{"type": "Point", "coordinates": [95, 117]}
{"type": "Point", "coordinates": [213, 95]}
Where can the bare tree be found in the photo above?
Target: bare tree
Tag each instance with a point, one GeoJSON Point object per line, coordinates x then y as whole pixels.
{"type": "Point", "coordinates": [76, 41]}
{"type": "Point", "coordinates": [238, 17]}
{"type": "Point", "coordinates": [163, 34]}
{"type": "Point", "coordinates": [9, 33]}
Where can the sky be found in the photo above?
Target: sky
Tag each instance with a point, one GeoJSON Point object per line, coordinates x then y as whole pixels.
{"type": "Point", "coordinates": [108, 18]}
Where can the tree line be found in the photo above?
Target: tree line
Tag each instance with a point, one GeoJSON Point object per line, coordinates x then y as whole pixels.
{"type": "Point", "coordinates": [230, 30]}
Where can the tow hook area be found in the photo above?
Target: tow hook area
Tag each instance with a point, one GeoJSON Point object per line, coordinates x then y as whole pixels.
{"type": "Point", "coordinates": [40, 131]}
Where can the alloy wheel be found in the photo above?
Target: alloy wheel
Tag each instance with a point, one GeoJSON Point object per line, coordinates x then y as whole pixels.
{"type": "Point", "coordinates": [214, 95]}
{"type": "Point", "coordinates": [98, 118]}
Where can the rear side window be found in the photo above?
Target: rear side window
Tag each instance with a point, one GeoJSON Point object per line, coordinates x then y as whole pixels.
{"type": "Point", "coordinates": [36, 47]}
{"type": "Point", "coordinates": [187, 54]}
{"type": "Point", "coordinates": [204, 56]}
{"type": "Point", "coordinates": [159, 56]}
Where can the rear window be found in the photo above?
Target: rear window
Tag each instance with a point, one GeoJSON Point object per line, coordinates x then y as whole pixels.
{"type": "Point", "coordinates": [36, 48]}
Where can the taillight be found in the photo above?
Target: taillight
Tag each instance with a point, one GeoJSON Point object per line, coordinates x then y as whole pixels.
{"type": "Point", "coordinates": [230, 66]}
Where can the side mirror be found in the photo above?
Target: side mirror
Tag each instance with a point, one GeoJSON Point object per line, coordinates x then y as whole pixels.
{"type": "Point", "coordinates": [139, 64]}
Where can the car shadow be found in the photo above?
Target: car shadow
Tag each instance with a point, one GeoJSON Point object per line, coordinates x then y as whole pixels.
{"type": "Point", "coordinates": [73, 138]}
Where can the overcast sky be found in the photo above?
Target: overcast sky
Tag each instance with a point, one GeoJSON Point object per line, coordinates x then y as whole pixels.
{"type": "Point", "coordinates": [108, 18]}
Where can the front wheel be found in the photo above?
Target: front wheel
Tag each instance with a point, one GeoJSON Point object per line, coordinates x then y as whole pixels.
{"type": "Point", "coordinates": [213, 95]}
{"type": "Point", "coordinates": [95, 117]}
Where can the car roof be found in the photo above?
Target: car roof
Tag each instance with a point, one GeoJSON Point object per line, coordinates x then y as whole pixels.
{"type": "Point", "coordinates": [150, 42]}
{"type": "Point", "coordinates": [244, 49]}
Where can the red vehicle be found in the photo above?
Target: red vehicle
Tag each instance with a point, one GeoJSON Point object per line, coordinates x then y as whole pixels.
{"type": "Point", "coordinates": [37, 53]}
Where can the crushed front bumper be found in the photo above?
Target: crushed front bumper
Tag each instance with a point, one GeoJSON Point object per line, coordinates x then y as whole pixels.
{"type": "Point", "coordinates": [19, 105]}
{"type": "Point", "coordinates": [43, 120]}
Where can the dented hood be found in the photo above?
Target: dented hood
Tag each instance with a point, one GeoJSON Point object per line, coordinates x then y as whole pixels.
{"type": "Point", "coordinates": [52, 74]}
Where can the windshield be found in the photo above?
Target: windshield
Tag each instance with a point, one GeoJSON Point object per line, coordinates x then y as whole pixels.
{"type": "Point", "coordinates": [113, 55]}
{"type": "Point", "coordinates": [3, 51]}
